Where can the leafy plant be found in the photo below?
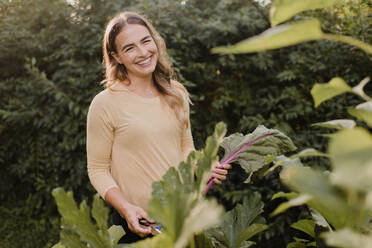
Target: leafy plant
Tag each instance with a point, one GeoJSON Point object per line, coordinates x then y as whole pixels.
{"type": "Point", "coordinates": [339, 198]}
{"type": "Point", "coordinates": [77, 228]}
{"type": "Point", "coordinates": [239, 224]}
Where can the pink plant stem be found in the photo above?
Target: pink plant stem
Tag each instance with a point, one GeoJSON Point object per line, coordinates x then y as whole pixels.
{"type": "Point", "coordinates": [231, 158]}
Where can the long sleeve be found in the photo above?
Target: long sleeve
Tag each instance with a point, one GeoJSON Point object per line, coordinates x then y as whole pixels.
{"type": "Point", "coordinates": [187, 143]}
{"type": "Point", "coordinates": [100, 134]}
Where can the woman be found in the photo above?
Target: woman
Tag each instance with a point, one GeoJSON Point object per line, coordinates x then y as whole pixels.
{"type": "Point", "coordinates": [138, 127]}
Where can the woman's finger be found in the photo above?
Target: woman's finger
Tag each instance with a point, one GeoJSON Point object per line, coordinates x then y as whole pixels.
{"type": "Point", "coordinates": [140, 230]}
{"type": "Point", "coordinates": [220, 171]}
{"type": "Point", "coordinates": [217, 181]}
{"type": "Point", "coordinates": [219, 176]}
{"type": "Point", "coordinates": [227, 166]}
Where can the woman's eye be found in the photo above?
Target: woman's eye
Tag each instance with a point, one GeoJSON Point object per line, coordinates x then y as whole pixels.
{"type": "Point", "coordinates": [128, 49]}
{"type": "Point", "coordinates": [146, 41]}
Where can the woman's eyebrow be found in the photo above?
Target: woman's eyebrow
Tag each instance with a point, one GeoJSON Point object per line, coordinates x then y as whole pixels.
{"type": "Point", "coordinates": [131, 44]}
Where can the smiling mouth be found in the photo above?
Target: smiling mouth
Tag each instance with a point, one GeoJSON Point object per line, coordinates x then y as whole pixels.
{"type": "Point", "coordinates": [145, 62]}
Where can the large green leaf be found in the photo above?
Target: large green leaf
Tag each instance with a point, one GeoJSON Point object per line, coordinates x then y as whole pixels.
{"type": "Point", "coordinates": [251, 150]}
{"type": "Point", "coordinates": [177, 202]}
{"type": "Point", "coordinates": [276, 37]}
{"type": "Point", "coordinates": [323, 92]}
{"type": "Point", "coordinates": [351, 158]}
{"type": "Point", "coordinates": [325, 198]}
{"type": "Point", "coordinates": [282, 10]}
{"type": "Point", "coordinates": [238, 224]}
{"type": "Point", "coordinates": [78, 229]}
{"type": "Point", "coordinates": [78, 218]}
{"type": "Point", "coordinates": [363, 112]}
{"type": "Point", "coordinates": [347, 238]}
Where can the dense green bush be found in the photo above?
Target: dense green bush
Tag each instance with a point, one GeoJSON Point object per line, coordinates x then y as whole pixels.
{"type": "Point", "coordinates": [50, 69]}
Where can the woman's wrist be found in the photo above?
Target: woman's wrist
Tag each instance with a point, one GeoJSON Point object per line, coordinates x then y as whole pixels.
{"type": "Point", "coordinates": [115, 198]}
{"type": "Point", "coordinates": [124, 209]}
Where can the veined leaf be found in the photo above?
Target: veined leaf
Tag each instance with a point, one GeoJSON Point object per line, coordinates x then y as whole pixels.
{"type": "Point", "coordinates": [351, 158]}
{"type": "Point", "coordinates": [251, 150]}
{"type": "Point", "coordinates": [77, 220]}
{"type": "Point", "coordinates": [276, 37]}
{"type": "Point", "coordinates": [337, 124]}
{"type": "Point", "coordinates": [323, 92]}
{"type": "Point", "coordinates": [347, 238]}
{"type": "Point", "coordinates": [306, 226]}
{"type": "Point", "coordinates": [77, 228]}
{"type": "Point", "coordinates": [363, 112]}
{"type": "Point", "coordinates": [238, 224]}
{"type": "Point", "coordinates": [282, 10]}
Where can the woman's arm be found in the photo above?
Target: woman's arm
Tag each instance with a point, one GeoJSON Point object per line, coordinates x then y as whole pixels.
{"type": "Point", "coordinates": [132, 214]}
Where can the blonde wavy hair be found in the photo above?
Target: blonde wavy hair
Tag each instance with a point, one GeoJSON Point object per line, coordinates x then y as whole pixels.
{"type": "Point", "coordinates": [171, 91]}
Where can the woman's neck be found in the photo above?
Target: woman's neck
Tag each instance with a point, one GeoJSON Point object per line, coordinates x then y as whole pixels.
{"type": "Point", "coordinates": [140, 83]}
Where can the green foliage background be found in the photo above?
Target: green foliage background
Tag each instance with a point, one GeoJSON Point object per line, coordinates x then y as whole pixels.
{"type": "Point", "coordinates": [50, 69]}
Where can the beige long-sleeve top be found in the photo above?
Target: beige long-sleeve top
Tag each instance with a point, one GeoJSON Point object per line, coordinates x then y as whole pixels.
{"type": "Point", "coordinates": [132, 141]}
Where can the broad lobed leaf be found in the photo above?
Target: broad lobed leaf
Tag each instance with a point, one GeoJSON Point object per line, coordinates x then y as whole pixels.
{"type": "Point", "coordinates": [251, 151]}
{"type": "Point", "coordinates": [238, 224]}
{"type": "Point", "coordinates": [78, 229]}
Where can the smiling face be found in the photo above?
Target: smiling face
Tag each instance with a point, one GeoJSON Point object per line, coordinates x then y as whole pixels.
{"type": "Point", "coordinates": [136, 50]}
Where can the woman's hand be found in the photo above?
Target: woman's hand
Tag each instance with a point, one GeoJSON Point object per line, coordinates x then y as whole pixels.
{"type": "Point", "coordinates": [219, 174]}
{"type": "Point", "coordinates": [132, 215]}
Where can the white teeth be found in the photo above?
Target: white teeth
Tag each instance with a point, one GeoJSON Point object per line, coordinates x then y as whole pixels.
{"type": "Point", "coordinates": [145, 61]}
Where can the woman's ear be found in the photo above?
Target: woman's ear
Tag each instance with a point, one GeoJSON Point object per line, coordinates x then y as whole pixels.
{"type": "Point", "coordinates": [116, 57]}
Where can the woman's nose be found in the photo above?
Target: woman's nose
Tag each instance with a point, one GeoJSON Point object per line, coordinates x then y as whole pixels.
{"type": "Point", "coordinates": [141, 51]}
